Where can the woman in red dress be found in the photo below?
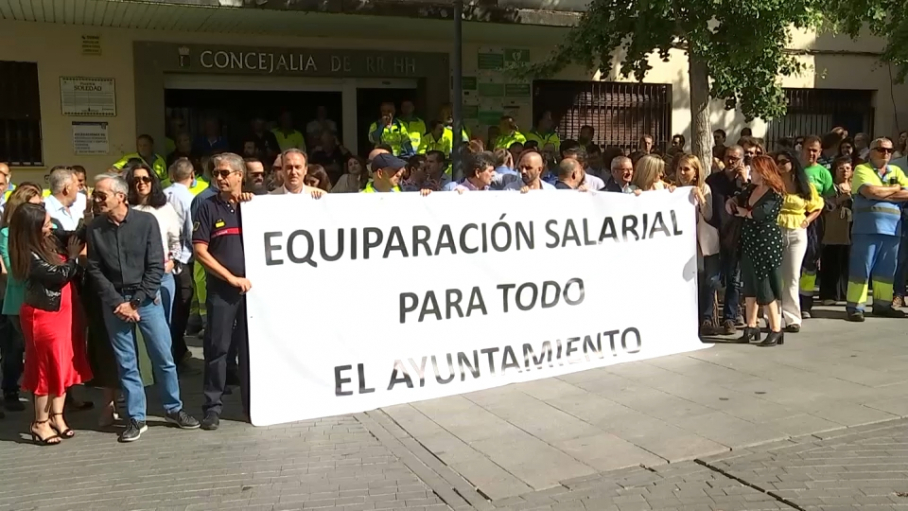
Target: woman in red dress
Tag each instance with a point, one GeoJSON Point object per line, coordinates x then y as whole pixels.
{"type": "Point", "coordinates": [55, 357]}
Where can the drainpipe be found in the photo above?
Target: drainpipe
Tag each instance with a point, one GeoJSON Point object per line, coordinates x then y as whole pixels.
{"type": "Point", "coordinates": [457, 100]}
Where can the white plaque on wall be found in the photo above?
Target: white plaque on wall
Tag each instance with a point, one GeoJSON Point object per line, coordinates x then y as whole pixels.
{"type": "Point", "coordinates": [90, 138]}
{"type": "Point", "coordinates": [88, 96]}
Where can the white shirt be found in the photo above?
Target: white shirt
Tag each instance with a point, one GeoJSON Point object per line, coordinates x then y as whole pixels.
{"type": "Point", "coordinates": [594, 182]}
{"type": "Point", "coordinates": [181, 199]}
{"type": "Point", "coordinates": [171, 228]}
{"type": "Point", "coordinates": [314, 128]}
{"type": "Point", "coordinates": [66, 218]}
{"type": "Point", "coordinates": [514, 182]}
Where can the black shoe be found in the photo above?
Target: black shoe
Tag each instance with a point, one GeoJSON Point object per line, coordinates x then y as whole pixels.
{"type": "Point", "coordinates": [211, 421]}
{"type": "Point", "coordinates": [855, 317]}
{"type": "Point", "coordinates": [181, 419]}
{"type": "Point", "coordinates": [793, 329]}
{"type": "Point", "coordinates": [888, 312]}
{"type": "Point", "coordinates": [133, 431]}
{"type": "Point", "coordinates": [11, 402]}
{"type": "Point", "coordinates": [750, 334]}
{"type": "Point", "coordinates": [773, 339]}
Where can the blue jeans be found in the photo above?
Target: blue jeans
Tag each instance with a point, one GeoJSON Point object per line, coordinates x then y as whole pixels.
{"type": "Point", "coordinates": [154, 329]}
{"type": "Point", "coordinates": [901, 271]}
{"type": "Point", "coordinates": [168, 291]}
{"type": "Point", "coordinates": [731, 275]}
{"type": "Point", "coordinates": [709, 279]}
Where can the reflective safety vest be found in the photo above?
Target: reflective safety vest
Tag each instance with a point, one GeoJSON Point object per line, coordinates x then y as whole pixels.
{"type": "Point", "coordinates": [9, 191]}
{"type": "Point", "coordinates": [294, 139]}
{"type": "Point", "coordinates": [542, 140]}
{"type": "Point", "coordinates": [445, 144]}
{"type": "Point", "coordinates": [506, 141]}
{"type": "Point", "coordinates": [198, 184]}
{"type": "Point", "coordinates": [159, 165]}
{"type": "Point", "coordinates": [395, 135]}
{"type": "Point", "coordinates": [370, 189]}
{"type": "Point", "coordinates": [416, 127]}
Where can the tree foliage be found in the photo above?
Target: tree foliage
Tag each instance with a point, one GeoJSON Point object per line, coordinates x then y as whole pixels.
{"type": "Point", "coordinates": [743, 44]}
{"type": "Point", "coordinates": [887, 19]}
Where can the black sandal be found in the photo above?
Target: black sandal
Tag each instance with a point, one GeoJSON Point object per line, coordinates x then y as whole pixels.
{"type": "Point", "coordinates": [43, 441]}
{"type": "Point", "coordinates": [65, 435]}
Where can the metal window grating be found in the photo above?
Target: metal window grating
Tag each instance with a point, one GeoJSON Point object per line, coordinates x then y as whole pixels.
{"type": "Point", "coordinates": [20, 114]}
{"type": "Point", "coordinates": [817, 111]}
{"type": "Point", "coordinates": [620, 113]}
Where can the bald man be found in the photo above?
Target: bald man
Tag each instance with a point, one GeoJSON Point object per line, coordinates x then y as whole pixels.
{"type": "Point", "coordinates": [530, 168]}
{"type": "Point", "coordinates": [570, 175]}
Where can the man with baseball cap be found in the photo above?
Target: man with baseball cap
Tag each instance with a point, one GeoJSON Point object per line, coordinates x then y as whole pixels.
{"type": "Point", "coordinates": [386, 173]}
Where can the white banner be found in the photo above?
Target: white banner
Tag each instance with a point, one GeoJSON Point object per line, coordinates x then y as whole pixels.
{"type": "Point", "coordinates": [360, 301]}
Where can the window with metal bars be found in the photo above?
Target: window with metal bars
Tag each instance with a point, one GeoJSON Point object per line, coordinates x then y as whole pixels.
{"type": "Point", "coordinates": [20, 114]}
{"type": "Point", "coordinates": [620, 113]}
{"type": "Point", "coordinates": [817, 111]}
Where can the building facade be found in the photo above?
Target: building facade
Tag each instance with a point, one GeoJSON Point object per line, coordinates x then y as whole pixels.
{"type": "Point", "coordinates": [82, 78]}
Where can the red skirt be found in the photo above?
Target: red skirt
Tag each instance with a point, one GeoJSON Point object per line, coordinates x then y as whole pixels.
{"type": "Point", "coordinates": [55, 356]}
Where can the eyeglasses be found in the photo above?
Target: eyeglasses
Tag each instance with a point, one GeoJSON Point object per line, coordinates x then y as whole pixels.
{"type": "Point", "coordinates": [99, 196]}
{"type": "Point", "coordinates": [141, 179]}
{"type": "Point", "coordinates": [885, 150]}
{"type": "Point", "coordinates": [221, 173]}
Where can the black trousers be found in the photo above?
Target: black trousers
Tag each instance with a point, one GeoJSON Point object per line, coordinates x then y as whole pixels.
{"type": "Point", "coordinates": [834, 272]}
{"type": "Point", "coordinates": [226, 316]}
{"type": "Point", "coordinates": [182, 302]}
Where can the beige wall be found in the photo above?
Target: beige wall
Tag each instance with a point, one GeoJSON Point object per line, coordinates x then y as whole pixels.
{"type": "Point", "coordinates": [56, 49]}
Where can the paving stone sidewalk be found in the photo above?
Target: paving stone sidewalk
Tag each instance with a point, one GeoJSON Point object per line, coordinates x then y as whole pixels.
{"type": "Point", "coordinates": [333, 463]}
{"type": "Point", "coordinates": [513, 440]}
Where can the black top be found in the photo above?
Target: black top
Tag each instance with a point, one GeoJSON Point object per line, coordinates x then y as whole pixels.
{"type": "Point", "coordinates": [723, 188]}
{"type": "Point", "coordinates": [218, 225]}
{"type": "Point", "coordinates": [332, 161]}
{"type": "Point", "coordinates": [127, 258]}
{"type": "Point", "coordinates": [761, 236]}
{"type": "Point", "coordinates": [266, 144]}
{"type": "Point", "coordinates": [561, 186]}
{"type": "Point", "coordinates": [612, 186]}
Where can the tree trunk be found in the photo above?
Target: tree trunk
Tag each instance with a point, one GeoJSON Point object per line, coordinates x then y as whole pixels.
{"type": "Point", "coordinates": [701, 143]}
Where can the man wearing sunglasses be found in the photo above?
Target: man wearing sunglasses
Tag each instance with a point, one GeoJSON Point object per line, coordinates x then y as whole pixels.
{"type": "Point", "coordinates": [879, 190]}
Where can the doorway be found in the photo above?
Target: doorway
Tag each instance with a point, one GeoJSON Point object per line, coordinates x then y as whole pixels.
{"type": "Point", "coordinates": [368, 104]}
{"type": "Point", "coordinates": [235, 109]}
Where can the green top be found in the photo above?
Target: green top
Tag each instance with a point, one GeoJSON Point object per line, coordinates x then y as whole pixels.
{"type": "Point", "coordinates": [15, 290]}
{"type": "Point", "coordinates": [821, 179]}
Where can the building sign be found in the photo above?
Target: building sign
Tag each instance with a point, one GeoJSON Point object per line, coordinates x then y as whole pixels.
{"type": "Point", "coordinates": [88, 96]}
{"type": "Point", "coordinates": [91, 45]}
{"type": "Point", "coordinates": [90, 138]}
{"type": "Point", "coordinates": [302, 62]}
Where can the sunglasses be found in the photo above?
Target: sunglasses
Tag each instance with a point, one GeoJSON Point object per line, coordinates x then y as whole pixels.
{"type": "Point", "coordinates": [885, 150]}
{"type": "Point", "coordinates": [99, 196]}
{"type": "Point", "coordinates": [141, 179]}
{"type": "Point", "coordinates": [222, 173]}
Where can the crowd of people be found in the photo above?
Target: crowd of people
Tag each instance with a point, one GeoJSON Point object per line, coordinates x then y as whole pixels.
{"type": "Point", "coordinates": [101, 280]}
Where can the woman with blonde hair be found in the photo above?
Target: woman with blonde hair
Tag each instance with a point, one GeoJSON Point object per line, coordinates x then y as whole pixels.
{"type": "Point", "coordinates": [648, 173]}
{"type": "Point", "coordinates": [690, 173]}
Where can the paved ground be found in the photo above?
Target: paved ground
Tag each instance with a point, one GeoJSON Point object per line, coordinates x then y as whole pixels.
{"type": "Point", "coordinates": [814, 424]}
